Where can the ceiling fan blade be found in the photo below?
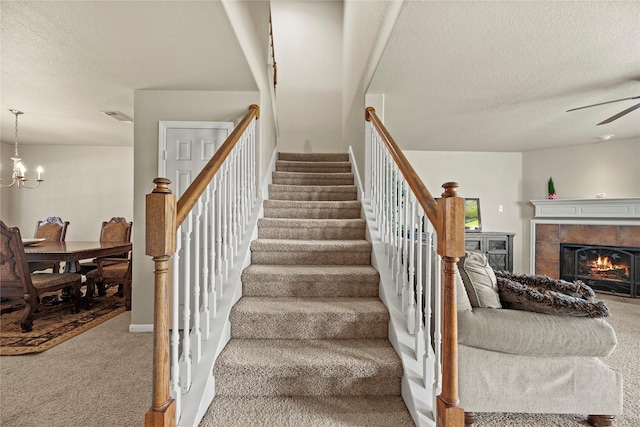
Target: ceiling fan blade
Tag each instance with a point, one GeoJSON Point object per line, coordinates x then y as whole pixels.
{"type": "Point", "coordinates": [620, 114]}
{"type": "Point", "coordinates": [602, 103]}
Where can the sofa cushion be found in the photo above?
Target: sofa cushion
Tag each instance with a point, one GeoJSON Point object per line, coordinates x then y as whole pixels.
{"type": "Point", "coordinates": [479, 280]}
{"type": "Point", "coordinates": [542, 294]}
{"type": "Point", "coordinates": [462, 299]}
{"type": "Point", "coordinates": [535, 334]}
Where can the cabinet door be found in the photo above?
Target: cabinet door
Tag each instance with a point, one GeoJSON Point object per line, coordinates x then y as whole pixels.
{"type": "Point", "coordinates": [498, 260]}
{"type": "Point", "coordinates": [473, 244]}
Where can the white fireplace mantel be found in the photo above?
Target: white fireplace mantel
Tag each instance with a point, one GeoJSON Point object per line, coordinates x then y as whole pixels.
{"type": "Point", "coordinates": [623, 208]}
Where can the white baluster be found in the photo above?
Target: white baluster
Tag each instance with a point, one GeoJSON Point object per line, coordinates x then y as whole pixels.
{"type": "Point", "coordinates": [411, 226]}
{"type": "Point", "coordinates": [219, 202]}
{"type": "Point", "coordinates": [431, 282]}
{"type": "Point", "coordinates": [234, 205]}
{"type": "Point", "coordinates": [419, 343]}
{"type": "Point", "coordinates": [406, 294]}
{"type": "Point", "coordinates": [437, 295]}
{"type": "Point", "coordinates": [205, 323]}
{"type": "Point", "coordinates": [397, 203]}
{"type": "Point", "coordinates": [185, 365]}
{"type": "Point", "coordinates": [225, 224]}
{"type": "Point", "coordinates": [196, 341]}
{"type": "Point", "coordinates": [174, 386]}
{"type": "Point", "coordinates": [213, 294]}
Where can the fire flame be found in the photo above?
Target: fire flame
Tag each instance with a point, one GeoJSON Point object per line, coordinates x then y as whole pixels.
{"type": "Point", "coordinates": [603, 263]}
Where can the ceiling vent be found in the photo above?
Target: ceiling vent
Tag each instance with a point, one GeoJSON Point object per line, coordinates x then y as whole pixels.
{"type": "Point", "coordinates": [119, 116]}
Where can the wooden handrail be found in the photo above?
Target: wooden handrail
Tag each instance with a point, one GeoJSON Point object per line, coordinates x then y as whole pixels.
{"type": "Point", "coordinates": [423, 196]}
{"type": "Point", "coordinates": [192, 194]}
{"type": "Point", "coordinates": [447, 217]}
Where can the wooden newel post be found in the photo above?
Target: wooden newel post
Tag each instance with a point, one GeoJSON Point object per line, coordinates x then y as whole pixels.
{"type": "Point", "coordinates": [161, 245]}
{"type": "Point", "coordinates": [450, 248]}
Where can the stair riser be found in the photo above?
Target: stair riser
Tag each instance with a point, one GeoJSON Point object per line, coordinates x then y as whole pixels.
{"type": "Point", "coordinates": [304, 327]}
{"type": "Point", "coordinates": [312, 210]}
{"type": "Point", "coordinates": [311, 233]}
{"type": "Point", "coordinates": [241, 385]}
{"type": "Point", "coordinates": [312, 196]}
{"type": "Point", "coordinates": [312, 181]}
{"type": "Point", "coordinates": [311, 213]}
{"type": "Point", "coordinates": [339, 288]}
{"type": "Point", "coordinates": [310, 258]}
{"type": "Point", "coordinates": [314, 168]}
{"type": "Point", "coordinates": [314, 157]}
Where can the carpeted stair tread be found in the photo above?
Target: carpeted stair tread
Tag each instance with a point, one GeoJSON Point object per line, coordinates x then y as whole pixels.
{"type": "Point", "coordinates": [310, 280]}
{"type": "Point", "coordinates": [284, 358]}
{"type": "Point", "coordinates": [314, 229]}
{"type": "Point", "coordinates": [325, 252]}
{"type": "Point", "coordinates": [311, 178]}
{"type": "Point", "coordinates": [313, 192]}
{"type": "Point", "coordinates": [315, 157]}
{"type": "Point", "coordinates": [312, 209]}
{"type": "Point", "coordinates": [304, 166]}
{"type": "Point", "coordinates": [305, 411]}
{"type": "Point", "coordinates": [309, 318]}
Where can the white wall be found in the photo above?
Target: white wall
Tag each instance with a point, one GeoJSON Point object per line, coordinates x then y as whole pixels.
{"type": "Point", "coordinates": [367, 27]}
{"type": "Point", "coordinates": [582, 171]}
{"type": "Point", "coordinates": [250, 21]}
{"type": "Point", "coordinates": [84, 185]}
{"type": "Point", "coordinates": [308, 47]}
{"type": "Point", "coordinates": [151, 106]}
{"type": "Point", "coordinates": [495, 178]}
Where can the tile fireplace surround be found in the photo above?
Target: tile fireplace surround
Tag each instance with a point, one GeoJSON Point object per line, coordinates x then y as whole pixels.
{"type": "Point", "coordinates": [608, 222]}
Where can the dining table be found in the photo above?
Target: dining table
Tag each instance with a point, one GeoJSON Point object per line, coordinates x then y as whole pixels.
{"type": "Point", "coordinates": [72, 252]}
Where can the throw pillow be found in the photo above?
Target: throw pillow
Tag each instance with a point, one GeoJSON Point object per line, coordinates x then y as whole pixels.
{"type": "Point", "coordinates": [462, 299]}
{"type": "Point", "coordinates": [479, 280]}
{"type": "Point", "coordinates": [543, 294]}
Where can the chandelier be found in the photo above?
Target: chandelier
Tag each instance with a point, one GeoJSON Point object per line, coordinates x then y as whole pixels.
{"type": "Point", "coordinates": [18, 179]}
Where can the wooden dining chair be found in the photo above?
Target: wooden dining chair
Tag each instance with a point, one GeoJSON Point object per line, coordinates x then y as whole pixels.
{"type": "Point", "coordinates": [17, 281]}
{"type": "Point", "coordinates": [117, 229]}
{"type": "Point", "coordinates": [103, 273]}
{"type": "Point", "coordinates": [52, 229]}
{"type": "Point", "coordinates": [111, 272]}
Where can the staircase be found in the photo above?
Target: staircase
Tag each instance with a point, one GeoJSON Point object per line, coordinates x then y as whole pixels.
{"type": "Point", "coordinates": [309, 336]}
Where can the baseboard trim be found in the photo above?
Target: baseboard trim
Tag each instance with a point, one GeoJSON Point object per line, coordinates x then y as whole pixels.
{"type": "Point", "coordinates": [141, 327]}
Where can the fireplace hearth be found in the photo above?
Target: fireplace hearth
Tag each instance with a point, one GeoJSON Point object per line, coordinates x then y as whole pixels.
{"type": "Point", "coordinates": [605, 268]}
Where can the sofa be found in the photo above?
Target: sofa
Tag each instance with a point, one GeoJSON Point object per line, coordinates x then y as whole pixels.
{"type": "Point", "coordinates": [532, 344]}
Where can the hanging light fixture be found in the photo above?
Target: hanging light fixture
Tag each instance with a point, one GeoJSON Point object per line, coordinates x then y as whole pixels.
{"type": "Point", "coordinates": [17, 178]}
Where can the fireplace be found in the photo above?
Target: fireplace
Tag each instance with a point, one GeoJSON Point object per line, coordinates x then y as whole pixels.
{"type": "Point", "coordinates": [601, 224]}
{"type": "Point", "coordinates": [607, 268]}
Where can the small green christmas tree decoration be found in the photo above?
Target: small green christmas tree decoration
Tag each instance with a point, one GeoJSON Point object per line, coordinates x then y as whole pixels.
{"type": "Point", "coordinates": [551, 189]}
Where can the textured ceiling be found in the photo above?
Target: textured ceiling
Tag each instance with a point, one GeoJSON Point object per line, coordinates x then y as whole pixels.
{"type": "Point", "coordinates": [63, 62]}
{"type": "Point", "coordinates": [499, 76]}
{"type": "Point", "coordinates": [473, 76]}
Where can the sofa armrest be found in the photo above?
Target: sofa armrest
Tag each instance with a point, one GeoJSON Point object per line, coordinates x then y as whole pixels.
{"type": "Point", "coordinates": [531, 334]}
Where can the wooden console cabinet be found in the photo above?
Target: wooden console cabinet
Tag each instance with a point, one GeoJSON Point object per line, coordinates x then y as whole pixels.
{"type": "Point", "coordinates": [497, 246]}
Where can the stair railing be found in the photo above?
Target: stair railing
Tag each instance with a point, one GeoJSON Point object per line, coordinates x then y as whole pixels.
{"type": "Point", "coordinates": [424, 283]}
{"type": "Point", "coordinates": [202, 229]}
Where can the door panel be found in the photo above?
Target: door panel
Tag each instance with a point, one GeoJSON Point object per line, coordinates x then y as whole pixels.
{"type": "Point", "coordinates": [186, 147]}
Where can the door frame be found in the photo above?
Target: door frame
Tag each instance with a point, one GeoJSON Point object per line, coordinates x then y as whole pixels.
{"type": "Point", "coordinates": [164, 125]}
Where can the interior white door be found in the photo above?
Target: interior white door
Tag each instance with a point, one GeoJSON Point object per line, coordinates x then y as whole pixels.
{"type": "Point", "coordinates": [186, 147]}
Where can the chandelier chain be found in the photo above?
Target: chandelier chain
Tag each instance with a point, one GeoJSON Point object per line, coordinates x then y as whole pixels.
{"type": "Point", "coordinates": [17, 113]}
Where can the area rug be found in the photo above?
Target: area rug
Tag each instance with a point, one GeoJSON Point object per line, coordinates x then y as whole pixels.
{"type": "Point", "coordinates": [54, 327]}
